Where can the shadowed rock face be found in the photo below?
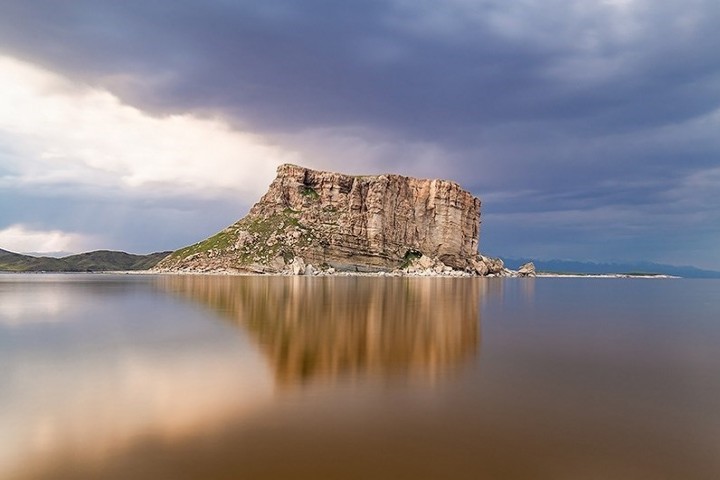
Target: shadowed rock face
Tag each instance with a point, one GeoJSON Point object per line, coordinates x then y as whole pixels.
{"type": "Point", "coordinates": [358, 223]}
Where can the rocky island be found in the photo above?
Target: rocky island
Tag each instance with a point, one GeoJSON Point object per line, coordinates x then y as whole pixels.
{"type": "Point", "coordinates": [312, 221]}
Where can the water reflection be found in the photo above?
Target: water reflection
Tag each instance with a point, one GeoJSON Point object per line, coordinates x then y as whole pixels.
{"type": "Point", "coordinates": [100, 367]}
{"type": "Point", "coordinates": [579, 378]}
{"type": "Point", "coordinates": [334, 328]}
{"type": "Point", "coordinates": [91, 364]}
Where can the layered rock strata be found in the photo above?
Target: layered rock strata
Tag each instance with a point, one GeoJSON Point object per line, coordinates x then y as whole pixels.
{"type": "Point", "coordinates": [345, 223]}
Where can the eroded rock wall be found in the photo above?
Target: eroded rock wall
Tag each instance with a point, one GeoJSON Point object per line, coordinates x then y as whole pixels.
{"type": "Point", "coordinates": [358, 223]}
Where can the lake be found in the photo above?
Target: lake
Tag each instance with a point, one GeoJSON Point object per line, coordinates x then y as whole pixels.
{"type": "Point", "coordinates": [222, 377]}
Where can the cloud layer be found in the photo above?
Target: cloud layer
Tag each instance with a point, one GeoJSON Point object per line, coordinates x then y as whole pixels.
{"type": "Point", "coordinates": [17, 238]}
{"type": "Point", "coordinates": [61, 133]}
{"type": "Point", "coordinates": [66, 140]}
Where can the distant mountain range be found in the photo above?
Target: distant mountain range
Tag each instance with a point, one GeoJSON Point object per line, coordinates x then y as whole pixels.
{"type": "Point", "coordinates": [98, 261]}
{"type": "Point", "coordinates": [570, 266]}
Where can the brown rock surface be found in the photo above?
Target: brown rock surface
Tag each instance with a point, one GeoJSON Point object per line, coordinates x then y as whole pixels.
{"type": "Point", "coordinates": [356, 223]}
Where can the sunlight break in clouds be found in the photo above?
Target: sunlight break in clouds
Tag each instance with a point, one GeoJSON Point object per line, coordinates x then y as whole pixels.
{"type": "Point", "coordinates": [18, 238]}
{"type": "Point", "coordinates": [64, 134]}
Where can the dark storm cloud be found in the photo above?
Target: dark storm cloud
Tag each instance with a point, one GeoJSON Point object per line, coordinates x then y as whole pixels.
{"type": "Point", "coordinates": [297, 64]}
{"type": "Point", "coordinates": [546, 108]}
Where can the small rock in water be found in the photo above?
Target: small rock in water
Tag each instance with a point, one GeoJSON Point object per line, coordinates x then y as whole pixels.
{"type": "Point", "coordinates": [527, 270]}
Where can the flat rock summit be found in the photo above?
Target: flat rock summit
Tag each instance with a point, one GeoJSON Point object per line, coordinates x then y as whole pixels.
{"type": "Point", "coordinates": [311, 221]}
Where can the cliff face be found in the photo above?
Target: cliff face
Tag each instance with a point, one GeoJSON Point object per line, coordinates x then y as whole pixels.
{"type": "Point", "coordinates": [357, 223]}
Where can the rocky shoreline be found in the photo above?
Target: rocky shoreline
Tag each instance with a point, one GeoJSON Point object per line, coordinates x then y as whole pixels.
{"type": "Point", "coordinates": [421, 266]}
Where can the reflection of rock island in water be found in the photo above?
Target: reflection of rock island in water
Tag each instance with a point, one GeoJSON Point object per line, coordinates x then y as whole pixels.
{"type": "Point", "coordinates": [333, 327]}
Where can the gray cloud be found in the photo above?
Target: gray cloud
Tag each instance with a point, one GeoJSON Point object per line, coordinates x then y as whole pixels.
{"type": "Point", "coordinates": [543, 108]}
{"type": "Point", "coordinates": [426, 69]}
{"type": "Point", "coordinates": [113, 221]}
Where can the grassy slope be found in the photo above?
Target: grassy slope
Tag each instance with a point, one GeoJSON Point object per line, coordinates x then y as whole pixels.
{"type": "Point", "coordinates": [257, 250]}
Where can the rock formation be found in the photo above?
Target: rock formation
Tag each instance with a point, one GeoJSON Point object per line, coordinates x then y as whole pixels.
{"type": "Point", "coordinates": [313, 220]}
{"type": "Point", "coordinates": [527, 270]}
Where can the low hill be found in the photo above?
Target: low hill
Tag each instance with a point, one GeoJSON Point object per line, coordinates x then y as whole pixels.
{"type": "Point", "coordinates": [98, 261]}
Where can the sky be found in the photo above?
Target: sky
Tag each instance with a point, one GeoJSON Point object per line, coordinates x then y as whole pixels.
{"type": "Point", "coordinates": [588, 128]}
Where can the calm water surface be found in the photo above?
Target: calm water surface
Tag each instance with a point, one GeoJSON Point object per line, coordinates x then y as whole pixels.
{"type": "Point", "coordinates": [204, 377]}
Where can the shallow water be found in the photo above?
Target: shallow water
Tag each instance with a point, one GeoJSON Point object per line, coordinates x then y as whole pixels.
{"type": "Point", "coordinates": [202, 377]}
